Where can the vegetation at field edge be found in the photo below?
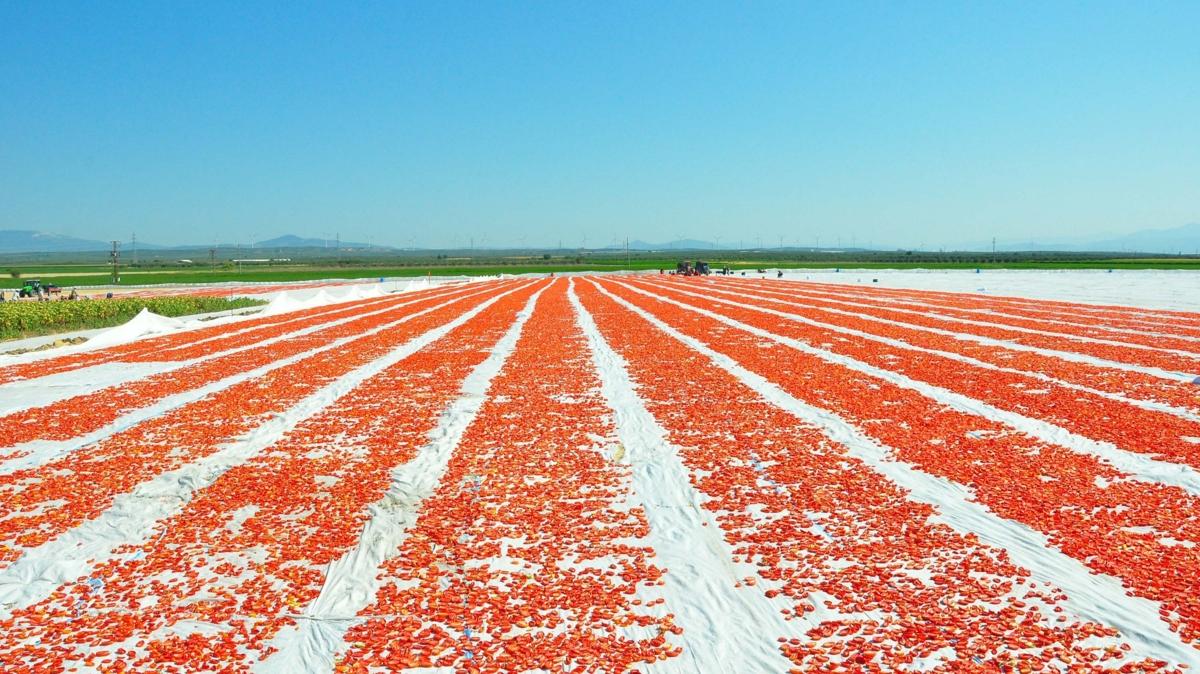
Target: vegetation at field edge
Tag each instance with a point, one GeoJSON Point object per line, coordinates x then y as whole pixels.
{"type": "Point", "coordinates": [91, 275]}
{"type": "Point", "coordinates": [29, 318]}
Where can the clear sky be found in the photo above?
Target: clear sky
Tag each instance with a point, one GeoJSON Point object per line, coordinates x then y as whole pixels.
{"type": "Point", "coordinates": [903, 123]}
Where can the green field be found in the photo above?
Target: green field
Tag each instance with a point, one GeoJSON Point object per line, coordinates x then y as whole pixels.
{"type": "Point", "coordinates": [70, 275]}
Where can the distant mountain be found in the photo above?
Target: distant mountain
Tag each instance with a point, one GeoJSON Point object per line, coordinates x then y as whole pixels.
{"type": "Point", "coordinates": [30, 241]}
{"type": "Point", "coordinates": [293, 241]}
{"type": "Point", "coordinates": [679, 244]}
{"type": "Point", "coordinates": [1185, 239]}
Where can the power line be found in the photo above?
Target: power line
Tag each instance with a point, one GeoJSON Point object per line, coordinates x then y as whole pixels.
{"type": "Point", "coordinates": [115, 256]}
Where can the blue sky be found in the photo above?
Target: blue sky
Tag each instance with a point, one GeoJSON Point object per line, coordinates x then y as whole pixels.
{"type": "Point", "coordinates": [898, 124]}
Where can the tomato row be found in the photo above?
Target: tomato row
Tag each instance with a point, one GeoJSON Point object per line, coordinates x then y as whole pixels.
{"type": "Point", "coordinates": [527, 556]}
{"type": "Point", "coordinates": [37, 504]}
{"type": "Point", "coordinates": [174, 346]}
{"type": "Point", "coordinates": [252, 548]}
{"type": "Point", "coordinates": [1111, 379]}
{"type": "Point", "coordinates": [874, 583]}
{"type": "Point", "coordinates": [1185, 323]}
{"type": "Point", "coordinates": [1145, 350]}
{"type": "Point", "coordinates": [1162, 335]}
{"type": "Point", "coordinates": [1129, 427]}
{"type": "Point", "coordinates": [88, 412]}
{"type": "Point", "coordinates": [1115, 525]}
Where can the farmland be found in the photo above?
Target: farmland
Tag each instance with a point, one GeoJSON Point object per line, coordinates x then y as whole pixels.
{"type": "Point", "coordinates": [86, 270]}
{"type": "Point", "coordinates": [612, 473]}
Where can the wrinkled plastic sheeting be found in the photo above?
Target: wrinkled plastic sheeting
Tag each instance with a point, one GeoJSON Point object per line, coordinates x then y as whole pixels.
{"type": "Point", "coordinates": [284, 302]}
{"type": "Point", "coordinates": [296, 300]}
{"type": "Point", "coordinates": [145, 324]}
{"type": "Point", "coordinates": [421, 283]}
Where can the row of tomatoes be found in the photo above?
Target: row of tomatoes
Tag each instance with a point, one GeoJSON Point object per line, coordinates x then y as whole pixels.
{"type": "Point", "coordinates": [1130, 427]}
{"type": "Point", "coordinates": [250, 551]}
{"type": "Point", "coordinates": [872, 581]}
{"type": "Point", "coordinates": [1174, 354]}
{"type": "Point", "coordinates": [39, 503]}
{"type": "Point", "coordinates": [1126, 382]}
{"type": "Point", "coordinates": [209, 361]}
{"type": "Point", "coordinates": [173, 347]}
{"type": "Point", "coordinates": [528, 555]}
{"type": "Point", "coordinates": [1116, 525]}
{"type": "Point", "coordinates": [1185, 323]}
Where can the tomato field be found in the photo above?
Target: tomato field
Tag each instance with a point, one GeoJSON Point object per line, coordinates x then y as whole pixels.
{"type": "Point", "coordinates": [608, 474]}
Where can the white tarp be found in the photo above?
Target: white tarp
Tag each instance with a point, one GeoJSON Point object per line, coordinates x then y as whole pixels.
{"type": "Point", "coordinates": [1171, 289]}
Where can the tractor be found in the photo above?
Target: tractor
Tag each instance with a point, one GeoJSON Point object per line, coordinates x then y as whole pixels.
{"type": "Point", "coordinates": [30, 288]}
{"type": "Point", "coordinates": [35, 288]}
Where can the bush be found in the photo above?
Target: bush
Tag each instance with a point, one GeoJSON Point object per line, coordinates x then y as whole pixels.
{"type": "Point", "coordinates": [28, 318]}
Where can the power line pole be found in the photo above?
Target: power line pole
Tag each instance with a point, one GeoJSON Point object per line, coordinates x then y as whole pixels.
{"type": "Point", "coordinates": [135, 249]}
{"type": "Point", "coordinates": [115, 256]}
{"type": "Point", "coordinates": [212, 259]}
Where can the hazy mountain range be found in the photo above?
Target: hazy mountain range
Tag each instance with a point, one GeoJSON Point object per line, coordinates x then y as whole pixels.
{"type": "Point", "coordinates": [1185, 239]}
{"type": "Point", "coordinates": [293, 241]}
{"type": "Point", "coordinates": [30, 241]}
